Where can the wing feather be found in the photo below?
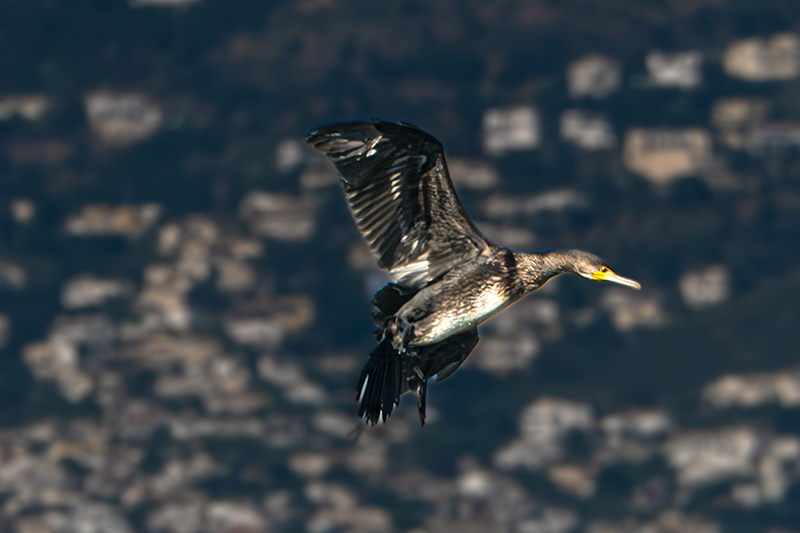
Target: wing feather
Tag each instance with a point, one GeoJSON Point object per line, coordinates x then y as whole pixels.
{"type": "Point", "coordinates": [399, 191]}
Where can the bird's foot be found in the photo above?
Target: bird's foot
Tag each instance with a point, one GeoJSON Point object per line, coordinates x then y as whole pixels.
{"type": "Point", "coordinates": [419, 388]}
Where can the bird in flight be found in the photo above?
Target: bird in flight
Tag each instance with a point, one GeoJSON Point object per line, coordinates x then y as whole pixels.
{"type": "Point", "coordinates": [448, 277]}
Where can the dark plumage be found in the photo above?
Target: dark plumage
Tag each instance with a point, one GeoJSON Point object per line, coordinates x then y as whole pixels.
{"type": "Point", "coordinates": [448, 277]}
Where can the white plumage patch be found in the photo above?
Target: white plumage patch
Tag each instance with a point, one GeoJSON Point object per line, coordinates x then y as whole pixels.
{"type": "Point", "coordinates": [363, 388]}
{"type": "Point", "coordinates": [371, 149]}
{"type": "Point", "coordinates": [397, 181]}
{"type": "Point", "coordinates": [416, 267]}
{"type": "Point", "coordinates": [490, 301]}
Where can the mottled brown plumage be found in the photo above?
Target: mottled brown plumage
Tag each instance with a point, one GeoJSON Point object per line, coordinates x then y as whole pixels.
{"type": "Point", "coordinates": [448, 277]}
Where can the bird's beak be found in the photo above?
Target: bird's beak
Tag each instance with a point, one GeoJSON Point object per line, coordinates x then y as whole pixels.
{"type": "Point", "coordinates": [613, 277]}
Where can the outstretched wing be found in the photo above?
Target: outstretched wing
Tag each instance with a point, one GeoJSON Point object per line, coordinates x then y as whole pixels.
{"type": "Point", "coordinates": [399, 191]}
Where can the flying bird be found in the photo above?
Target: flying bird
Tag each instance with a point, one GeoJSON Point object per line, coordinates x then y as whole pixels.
{"type": "Point", "coordinates": [448, 277]}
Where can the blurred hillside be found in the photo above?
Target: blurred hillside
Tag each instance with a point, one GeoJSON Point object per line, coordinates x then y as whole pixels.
{"type": "Point", "coordinates": [184, 298]}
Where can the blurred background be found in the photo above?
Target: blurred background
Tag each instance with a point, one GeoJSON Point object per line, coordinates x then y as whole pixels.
{"type": "Point", "coordinates": [184, 298]}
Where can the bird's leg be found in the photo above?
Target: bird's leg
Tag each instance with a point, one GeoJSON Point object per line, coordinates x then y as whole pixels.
{"type": "Point", "coordinates": [418, 386]}
{"type": "Point", "coordinates": [401, 332]}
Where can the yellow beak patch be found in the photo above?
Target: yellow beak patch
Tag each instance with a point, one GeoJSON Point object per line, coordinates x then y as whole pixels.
{"type": "Point", "coordinates": [606, 274]}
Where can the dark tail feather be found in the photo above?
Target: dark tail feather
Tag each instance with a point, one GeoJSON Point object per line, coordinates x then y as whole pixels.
{"type": "Point", "coordinates": [380, 384]}
{"type": "Point", "coordinates": [444, 358]}
{"type": "Point", "coordinates": [440, 360]}
{"type": "Point", "coordinates": [387, 373]}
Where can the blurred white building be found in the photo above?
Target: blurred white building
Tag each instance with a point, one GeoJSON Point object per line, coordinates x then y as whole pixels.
{"type": "Point", "coordinates": [586, 130]}
{"type": "Point", "coordinates": [704, 288]}
{"type": "Point", "coordinates": [122, 118]}
{"type": "Point", "coordinates": [674, 70]}
{"type": "Point", "coordinates": [772, 136]}
{"type": "Point", "coordinates": [594, 76]}
{"type": "Point", "coordinates": [510, 128]}
{"type": "Point", "coordinates": [472, 173]}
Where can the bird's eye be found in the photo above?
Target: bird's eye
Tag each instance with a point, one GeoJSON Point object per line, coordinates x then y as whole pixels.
{"type": "Point", "coordinates": [604, 269]}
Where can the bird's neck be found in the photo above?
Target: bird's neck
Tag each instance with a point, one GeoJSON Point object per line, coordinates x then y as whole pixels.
{"type": "Point", "coordinates": [537, 268]}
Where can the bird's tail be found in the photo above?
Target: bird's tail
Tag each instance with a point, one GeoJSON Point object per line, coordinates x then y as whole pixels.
{"type": "Point", "coordinates": [381, 382]}
{"type": "Point", "coordinates": [388, 374]}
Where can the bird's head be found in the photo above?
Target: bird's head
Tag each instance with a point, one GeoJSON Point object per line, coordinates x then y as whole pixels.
{"type": "Point", "coordinates": [592, 267]}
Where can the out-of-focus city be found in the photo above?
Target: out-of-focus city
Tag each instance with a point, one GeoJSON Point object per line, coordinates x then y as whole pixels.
{"type": "Point", "coordinates": [184, 298]}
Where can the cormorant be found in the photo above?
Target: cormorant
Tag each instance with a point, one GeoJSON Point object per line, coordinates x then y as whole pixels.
{"type": "Point", "coordinates": [448, 277]}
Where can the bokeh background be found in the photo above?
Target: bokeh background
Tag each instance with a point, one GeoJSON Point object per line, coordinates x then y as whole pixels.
{"type": "Point", "coordinates": [184, 298]}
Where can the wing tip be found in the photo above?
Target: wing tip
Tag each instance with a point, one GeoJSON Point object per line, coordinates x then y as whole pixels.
{"type": "Point", "coordinates": [337, 128]}
{"type": "Point", "coordinates": [340, 129]}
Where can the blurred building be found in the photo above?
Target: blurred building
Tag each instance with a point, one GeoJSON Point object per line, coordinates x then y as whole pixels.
{"type": "Point", "coordinates": [628, 310]}
{"type": "Point", "coordinates": [501, 206]}
{"type": "Point", "coordinates": [777, 58]}
{"type": "Point", "coordinates": [29, 107]}
{"type": "Point", "coordinates": [706, 287]}
{"type": "Point", "coordinates": [87, 291]}
{"type": "Point", "coordinates": [586, 130]}
{"type": "Point", "coordinates": [22, 210]}
{"type": "Point", "coordinates": [674, 70]}
{"type": "Point", "coordinates": [122, 118]}
{"type": "Point", "coordinates": [278, 216]}
{"type": "Point", "coordinates": [12, 276]}
{"type": "Point", "coordinates": [734, 117]}
{"type": "Point", "coordinates": [103, 220]}
{"type": "Point", "coordinates": [771, 136]}
{"type": "Point", "coordinates": [509, 129]}
{"type": "Point", "coordinates": [755, 390]}
{"type": "Point", "coordinates": [472, 173]}
{"type": "Point", "coordinates": [594, 76]}
{"type": "Point", "coordinates": [663, 155]}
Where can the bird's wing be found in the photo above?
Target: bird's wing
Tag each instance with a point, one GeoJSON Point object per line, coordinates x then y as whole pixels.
{"type": "Point", "coordinates": [399, 191]}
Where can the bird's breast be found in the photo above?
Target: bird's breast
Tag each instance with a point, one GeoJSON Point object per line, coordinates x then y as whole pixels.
{"type": "Point", "coordinates": [457, 310]}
